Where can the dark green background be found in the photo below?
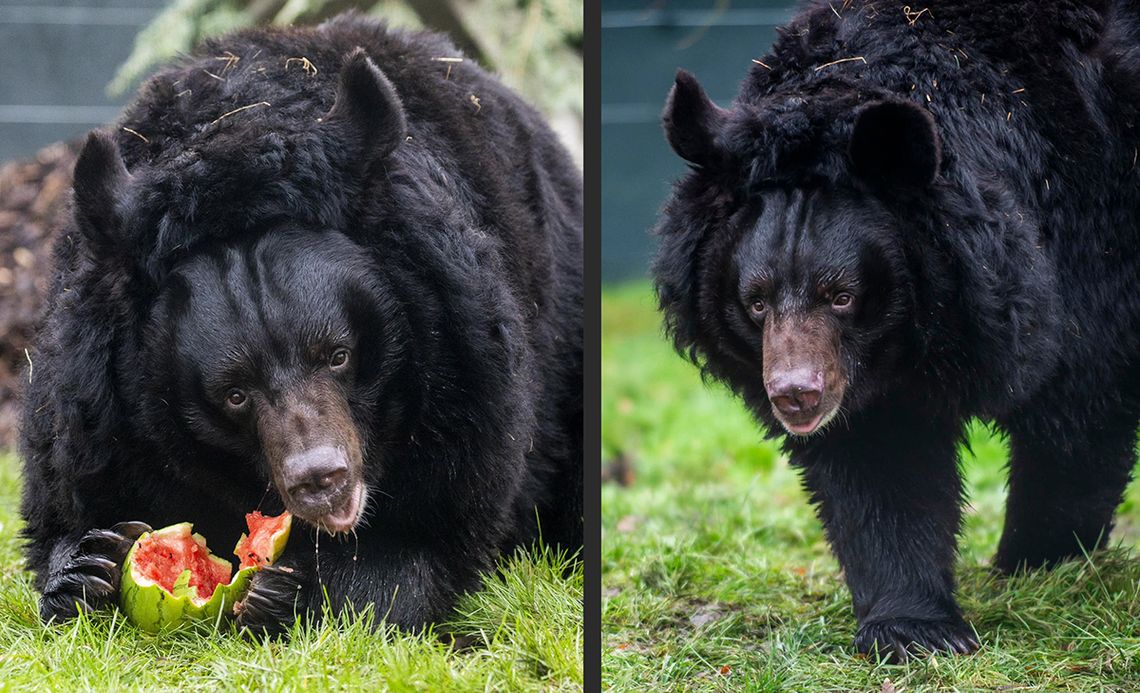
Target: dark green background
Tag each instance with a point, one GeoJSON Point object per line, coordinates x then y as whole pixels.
{"type": "Point", "coordinates": [58, 56]}
{"type": "Point", "coordinates": [643, 44]}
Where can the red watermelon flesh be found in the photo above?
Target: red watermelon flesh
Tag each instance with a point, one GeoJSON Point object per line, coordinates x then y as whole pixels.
{"type": "Point", "coordinates": [263, 543]}
{"type": "Point", "coordinates": [163, 559]}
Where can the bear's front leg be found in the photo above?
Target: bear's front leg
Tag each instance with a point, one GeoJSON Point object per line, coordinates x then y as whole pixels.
{"type": "Point", "coordinates": [85, 572]}
{"type": "Point", "coordinates": [407, 584]}
{"type": "Point", "coordinates": [277, 596]}
{"type": "Point", "coordinates": [889, 498]}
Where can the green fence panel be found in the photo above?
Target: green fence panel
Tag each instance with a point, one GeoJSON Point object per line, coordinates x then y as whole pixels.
{"type": "Point", "coordinates": [643, 44]}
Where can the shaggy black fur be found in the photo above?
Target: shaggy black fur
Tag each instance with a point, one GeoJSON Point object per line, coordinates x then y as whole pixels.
{"type": "Point", "coordinates": [428, 223]}
{"type": "Point", "coordinates": [969, 174]}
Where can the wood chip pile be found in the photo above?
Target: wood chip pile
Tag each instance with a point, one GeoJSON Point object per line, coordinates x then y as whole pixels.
{"type": "Point", "coordinates": [34, 197]}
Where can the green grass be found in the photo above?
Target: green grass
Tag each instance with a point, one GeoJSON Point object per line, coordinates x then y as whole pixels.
{"type": "Point", "coordinates": [527, 626]}
{"type": "Point", "coordinates": [716, 575]}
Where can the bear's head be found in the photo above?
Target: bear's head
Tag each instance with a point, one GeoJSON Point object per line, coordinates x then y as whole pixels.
{"type": "Point", "coordinates": [259, 345]}
{"type": "Point", "coordinates": [785, 266]}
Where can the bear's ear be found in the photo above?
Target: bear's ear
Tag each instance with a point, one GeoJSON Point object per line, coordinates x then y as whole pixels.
{"type": "Point", "coordinates": [692, 121]}
{"type": "Point", "coordinates": [100, 176]}
{"type": "Point", "coordinates": [895, 143]}
{"type": "Point", "coordinates": [368, 106]}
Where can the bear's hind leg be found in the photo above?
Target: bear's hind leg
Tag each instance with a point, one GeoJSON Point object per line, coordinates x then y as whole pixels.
{"type": "Point", "coordinates": [1067, 476]}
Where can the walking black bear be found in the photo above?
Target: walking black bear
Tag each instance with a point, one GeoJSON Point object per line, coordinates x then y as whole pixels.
{"type": "Point", "coordinates": [910, 217]}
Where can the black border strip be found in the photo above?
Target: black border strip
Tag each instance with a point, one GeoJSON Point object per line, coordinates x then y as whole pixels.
{"type": "Point", "coordinates": [592, 345]}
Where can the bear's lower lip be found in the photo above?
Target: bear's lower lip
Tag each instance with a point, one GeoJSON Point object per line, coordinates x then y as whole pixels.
{"type": "Point", "coordinates": [802, 429]}
{"type": "Point", "coordinates": [344, 519]}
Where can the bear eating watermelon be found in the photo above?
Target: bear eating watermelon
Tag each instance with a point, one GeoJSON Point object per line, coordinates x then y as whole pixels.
{"type": "Point", "coordinates": [350, 292]}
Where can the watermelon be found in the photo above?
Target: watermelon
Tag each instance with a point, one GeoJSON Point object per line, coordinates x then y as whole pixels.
{"type": "Point", "coordinates": [170, 578]}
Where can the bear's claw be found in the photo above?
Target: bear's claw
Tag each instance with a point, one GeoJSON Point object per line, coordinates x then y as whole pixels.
{"type": "Point", "coordinates": [270, 607]}
{"type": "Point", "coordinates": [90, 578]}
{"type": "Point", "coordinates": [896, 640]}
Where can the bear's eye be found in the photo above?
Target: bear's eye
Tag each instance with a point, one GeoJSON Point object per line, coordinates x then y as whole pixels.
{"type": "Point", "coordinates": [339, 358]}
{"type": "Point", "coordinates": [757, 307]}
{"type": "Point", "coordinates": [235, 397]}
{"type": "Point", "coordinates": [842, 300]}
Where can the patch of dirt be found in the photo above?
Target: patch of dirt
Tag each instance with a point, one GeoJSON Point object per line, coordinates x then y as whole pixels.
{"type": "Point", "coordinates": [619, 470]}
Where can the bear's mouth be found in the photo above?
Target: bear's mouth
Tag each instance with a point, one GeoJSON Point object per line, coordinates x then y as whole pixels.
{"type": "Point", "coordinates": [804, 428]}
{"type": "Point", "coordinates": [345, 513]}
{"type": "Point", "coordinates": [344, 519]}
{"type": "Point", "coordinates": [812, 423]}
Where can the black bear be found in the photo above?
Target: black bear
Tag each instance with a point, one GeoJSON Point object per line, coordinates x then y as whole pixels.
{"type": "Point", "coordinates": [322, 270]}
{"type": "Point", "coordinates": [911, 216]}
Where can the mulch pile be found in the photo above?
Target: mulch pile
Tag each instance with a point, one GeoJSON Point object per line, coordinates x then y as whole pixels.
{"type": "Point", "coordinates": [33, 203]}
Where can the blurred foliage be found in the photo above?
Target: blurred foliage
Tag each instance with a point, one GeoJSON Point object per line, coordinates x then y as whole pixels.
{"type": "Point", "coordinates": [534, 45]}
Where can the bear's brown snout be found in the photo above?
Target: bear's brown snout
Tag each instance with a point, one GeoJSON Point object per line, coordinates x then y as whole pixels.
{"type": "Point", "coordinates": [803, 375]}
{"type": "Point", "coordinates": [314, 454]}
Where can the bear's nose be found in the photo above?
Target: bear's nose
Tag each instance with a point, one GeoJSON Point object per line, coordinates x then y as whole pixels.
{"type": "Point", "coordinates": [796, 393]}
{"type": "Point", "coordinates": [313, 476]}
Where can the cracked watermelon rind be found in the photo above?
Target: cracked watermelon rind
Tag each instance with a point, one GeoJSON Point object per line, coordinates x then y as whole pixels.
{"type": "Point", "coordinates": [153, 608]}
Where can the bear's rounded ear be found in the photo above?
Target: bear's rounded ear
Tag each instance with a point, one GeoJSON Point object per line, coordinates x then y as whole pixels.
{"type": "Point", "coordinates": [692, 121]}
{"type": "Point", "coordinates": [100, 176]}
{"type": "Point", "coordinates": [367, 104]}
{"type": "Point", "coordinates": [895, 143]}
